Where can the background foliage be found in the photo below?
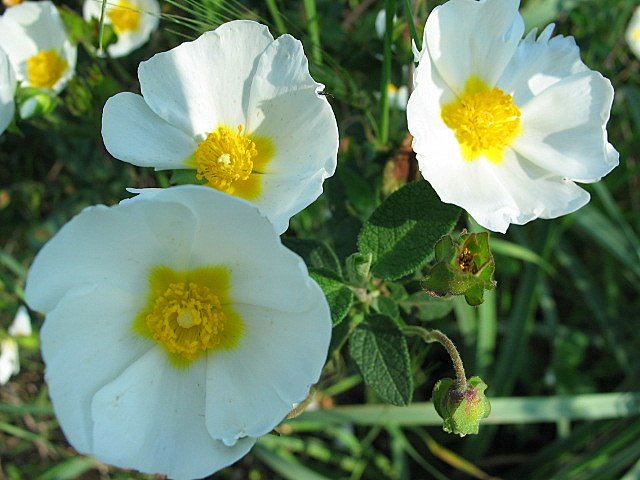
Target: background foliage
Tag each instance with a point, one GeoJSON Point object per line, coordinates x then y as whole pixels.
{"type": "Point", "coordinates": [557, 342]}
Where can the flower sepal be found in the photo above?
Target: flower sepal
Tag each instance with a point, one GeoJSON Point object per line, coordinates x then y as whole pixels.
{"type": "Point", "coordinates": [461, 407]}
{"type": "Point", "coordinates": [463, 267]}
{"type": "Point", "coordinates": [35, 102]}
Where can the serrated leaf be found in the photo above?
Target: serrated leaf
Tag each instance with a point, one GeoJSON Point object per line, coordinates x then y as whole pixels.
{"type": "Point", "coordinates": [339, 296]}
{"type": "Point", "coordinates": [402, 232]}
{"type": "Point", "coordinates": [380, 352]}
{"type": "Point", "coordinates": [316, 254]}
{"type": "Point", "coordinates": [426, 308]}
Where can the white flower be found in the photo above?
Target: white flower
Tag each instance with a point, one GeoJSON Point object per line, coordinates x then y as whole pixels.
{"type": "Point", "coordinates": [398, 96]}
{"type": "Point", "coordinates": [632, 34]}
{"type": "Point", "coordinates": [21, 326]}
{"type": "Point", "coordinates": [178, 329]}
{"type": "Point", "coordinates": [33, 36]}
{"type": "Point", "coordinates": [9, 357]}
{"type": "Point", "coordinates": [502, 126]}
{"type": "Point", "coordinates": [238, 107]}
{"type": "Point", "coordinates": [7, 92]}
{"type": "Point", "coordinates": [133, 22]}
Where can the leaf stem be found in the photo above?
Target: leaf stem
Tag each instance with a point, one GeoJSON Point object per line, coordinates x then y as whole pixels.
{"type": "Point", "coordinates": [412, 25]}
{"type": "Point", "coordinates": [277, 16]}
{"type": "Point", "coordinates": [383, 130]}
{"type": "Point", "coordinates": [430, 336]}
{"type": "Point", "coordinates": [103, 11]}
{"type": "Point", "coordinates": [314, 30]}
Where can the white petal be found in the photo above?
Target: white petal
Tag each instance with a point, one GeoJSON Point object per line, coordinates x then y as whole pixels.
{"type": "Point", "coordinates": [151, 418]}
{"type": "Point", "coordinates": [232, 232]}
{"type": "Point", "coordinates": [251, 388]}
{"type": "Point", "coordinates": [129, 41]}
{"type": "Point", "coordinates": [539, 63]}
{"type": "Point", "coordinates": [536, 192]}
{"type": "Point", "coordinates": [9, 360]}
{"type": "Point", "coordinates": [21, 325]}
{"type": "Point", "coordinates": [7, 91]}
{"type": "Point", "coordinates": [110, 246]}
{"type": "Point", "coordinates": [15, 42]}
{"type": "Point", "coordinates": [285, 195]}
{"type": "Point", "coordinates": [40, 22]}
{"type": "Point", "coordinates": [203, 83]}
{"type": "Point", "coordinates": [467, 37]}
{"type": "Point", "coordinates": [132, 132]}
{"type": "Point", "coordinates": [570, 141]}
{"type": "Point", "coordinates": [87, 340]}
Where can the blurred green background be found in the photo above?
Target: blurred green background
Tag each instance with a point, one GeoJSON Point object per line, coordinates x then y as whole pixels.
{"type": "Point", "coordinates": [561, 329]}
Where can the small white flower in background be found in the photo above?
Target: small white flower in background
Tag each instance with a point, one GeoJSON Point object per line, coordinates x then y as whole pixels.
{"type": "Point", "coordinates": [239, 108]}
{"type": "Point", "coordinates": [133, 22]}
{"type": "Point", "coordinates": [39, 49]}
{"type": "Point", "coordinates": [398, 97]}
{"type": "Point", "coordinates": [381, 22]}
{"type": "Point", "coordinates": [503, 126]}
{"type": "Point", "coordinates": [633, 33]}
{"type": "Point", "coordinates": [178, 329]}
{"type": "Point", "coordinates": [9, 357]}
{"type": "Point", "coordinates": [7, 92]}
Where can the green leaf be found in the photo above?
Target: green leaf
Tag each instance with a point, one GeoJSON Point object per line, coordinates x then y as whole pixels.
{"type": "Point", "coordinates": [380, 351]}
{"type": "Point", "coordinates": [426, 308]}
{"type": "Point", "coordinates": [339, 296]}
{"type": "Point", "coordinates": [315, 253]}
{"type": "Point", "coordinates": [402, 232]}
{"type": "Point", "coordinates": [386, 306]}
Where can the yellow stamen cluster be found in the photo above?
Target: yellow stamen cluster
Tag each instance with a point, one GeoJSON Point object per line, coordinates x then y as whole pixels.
{"type": "Point", "coordinates": [45, 68]}
{"type": "Point", "coordinates": [187, 319]}
{"type": "Point", "coordinates": [189, 313]}
{"type": "Point", "coordinates": [124, 17]}
{"type": "Point", "coordinates": [485, 120]}
{"type": "Point", "coordinates": [225, 157]}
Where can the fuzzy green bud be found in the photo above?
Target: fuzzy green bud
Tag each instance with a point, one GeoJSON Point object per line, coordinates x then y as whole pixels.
{"type": "Point", "coordinates": [461, 407]}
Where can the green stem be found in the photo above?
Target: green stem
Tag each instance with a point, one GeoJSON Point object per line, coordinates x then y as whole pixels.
{"type": "Point", "coordinates": [430, 336]}
{"type": "Point", "coordinates": [412, 25]}
{"type": "Point", "coordinates": [314, 30]}
{"type": "Point", "coordinates": [383, 130]}
{"type": "Point", "coordinates": [277, 16]}
{"type": "Point", "coordinates": [101, 32]}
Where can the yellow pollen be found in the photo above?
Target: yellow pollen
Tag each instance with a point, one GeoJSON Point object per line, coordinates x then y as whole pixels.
{"type": "Point", "coordinates": [225, 157]}
{"type": "Point", "coordinates": [485, 120]}
{"type": "Point", "coordinates": [189, 313]}
{"type": "Point", "coordinates": [124, 17]}
{"type": "Point", "coordinates": [636, 34]}
{"type": "Point", "coordinates": [45, 68]}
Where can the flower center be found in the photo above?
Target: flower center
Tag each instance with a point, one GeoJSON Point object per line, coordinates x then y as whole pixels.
{"type": "Point", "coordinates": [45, 68]}
{"type": "Point", "coordinates": [124, 17]}
{"type": "Point", "coordinates": [189, 313]}
{"type": "Point", "coordinates": [225, 157]}
{"type": "Point", "coordinates": [485, 120]}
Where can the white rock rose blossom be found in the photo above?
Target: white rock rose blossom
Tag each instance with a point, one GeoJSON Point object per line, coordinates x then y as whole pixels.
{"type": "Point", "coordinates": [39, 49]}
{"type": "Point", "coordinates": [632, 35]}
{"type": "Point", "coordinates": [240, 110]}
{"type": "Point", "coordinates": [133, 22]}
{"type": "Point", "coordinates": [178, 329]}
{"type": "Point", "coordinates": [7, 92]}
{"type": "Point", "coordinates": [503, 126]}
{"type": "Point", "coordinates": [9, 351]}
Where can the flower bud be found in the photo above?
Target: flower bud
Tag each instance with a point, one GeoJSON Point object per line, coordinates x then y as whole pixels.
{"type": "Point", "coordinates": [461, 408]}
